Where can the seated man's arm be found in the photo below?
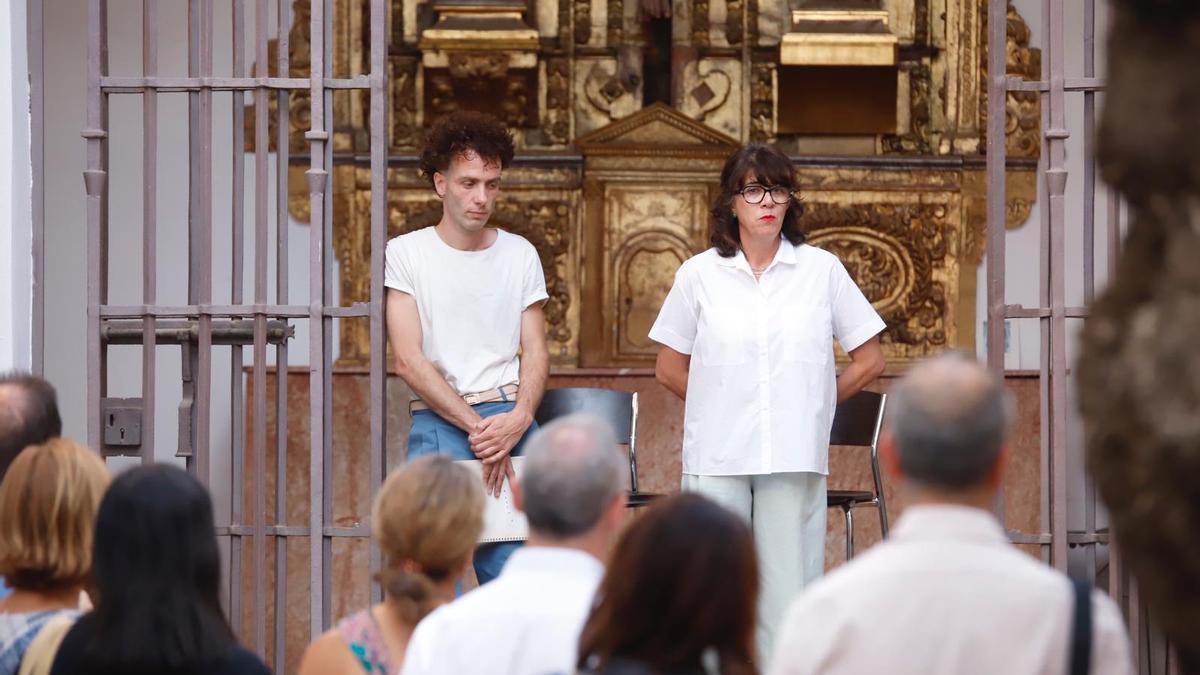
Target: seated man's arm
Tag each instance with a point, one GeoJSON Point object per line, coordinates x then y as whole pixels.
{"type": "Point", "coordinates": [404, 333]}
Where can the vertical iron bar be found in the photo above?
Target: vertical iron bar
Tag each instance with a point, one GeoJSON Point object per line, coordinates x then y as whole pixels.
{"type": "Point", "coordinates": [378, 377]}
{"type": "Point", "coordinates": [1114, 568]}
{"type": "Point", "coordinates": [149, 224]}
{"type": "Point", "coordinates": [262, 141]}
{"type": "Point", "coordinates": [237, 403]}
{"type": "Point", "coordinates": [281, 351]}
{"type": "Point", "coordinates": [1056, 182]}
{"type": "Point", "coordinates": [200, 22]}
{"type": "Point", "coordinates": [204, 346]}
{"type": "Point", "coordinates": [188, 353]}
{"type": "Point", "coordinates": [316, 178]}
{"type": "Point", "coordinates": [95, 177]}
{"type": "Point", "coordinates": [1089, 244]}
{"type": "Point", "coordinates": [327, 326]}
{"type": "Point", "coordinates": [1044, 409]}
{"type": "Point", "coordinates": [37, 140]}
{"type": "Point", "coordinates": [996, 151]}
{"type": "Point", "coordinates": [996, 160]}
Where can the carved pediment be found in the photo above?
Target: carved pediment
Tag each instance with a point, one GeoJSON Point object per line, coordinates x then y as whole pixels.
{"type": "Point", "coordinates": [656, 130]}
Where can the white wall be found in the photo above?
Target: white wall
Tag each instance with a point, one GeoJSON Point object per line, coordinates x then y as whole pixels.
{"type": "Point", "coordinates": [66, 223]}
{"type": "Point", "coordinates": [16, 220]}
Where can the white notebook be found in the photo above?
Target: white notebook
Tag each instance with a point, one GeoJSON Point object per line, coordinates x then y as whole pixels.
{"type": "Point", "coordinates": [501, 519]}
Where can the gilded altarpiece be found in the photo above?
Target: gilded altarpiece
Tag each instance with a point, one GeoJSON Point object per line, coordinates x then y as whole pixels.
{"type": "Point", "coordinates": [613, 216]}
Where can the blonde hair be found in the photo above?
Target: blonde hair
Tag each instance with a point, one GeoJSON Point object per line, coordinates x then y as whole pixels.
{"type": "Point", "coordinates": [426, 519]}
{"type": "Point", "coordinates": [48, 503]}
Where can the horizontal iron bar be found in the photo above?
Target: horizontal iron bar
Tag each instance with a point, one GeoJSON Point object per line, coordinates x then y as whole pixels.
{"type": "Point", "coordinates": [358, 309]}
{"type": "Point", "coordinates": [360, 531]}
{"type": "Point", "coordinates": [129, 332]}
{"type": "Point", "coordinates": [1022, 312]}
{"type": "Point", "coordinates": [134, 85]}
{"type": "Point", "coordinates": [1073, 537]}
{"type": "Point", "coordinates": [1072, 84]}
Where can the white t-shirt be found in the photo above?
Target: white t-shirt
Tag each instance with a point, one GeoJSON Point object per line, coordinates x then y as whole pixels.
{"type": "Point", "coordinates": [762, 384]}
{"type": "Point", "coordinates": [470, 303]}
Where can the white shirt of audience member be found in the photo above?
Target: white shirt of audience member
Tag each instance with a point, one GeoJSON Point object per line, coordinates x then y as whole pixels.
{"type": "Point", "coordinates": [946, 594]}
{"type": "Point", "coordinates": [470, 303]}
{"type": "Point", "coordinates": [762, 381]}
{"type": "Point", "coordinates": [525, 622]}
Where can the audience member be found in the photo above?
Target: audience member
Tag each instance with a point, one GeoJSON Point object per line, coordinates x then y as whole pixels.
{"type": "Point", "coordinates": [156, 577]}
{"type": "Point", "coordinates": [48, 502]}
{"type": "Point", "coordinates": [28, 415]}
{"type": "Point", "coordinates": [427, 519]}
{"type": "Point", "coordinates": [527, 621]}
{"type": "Point", "coordinates": [679, 597]}
{"type": "Point", "coordinates": [947, 593]}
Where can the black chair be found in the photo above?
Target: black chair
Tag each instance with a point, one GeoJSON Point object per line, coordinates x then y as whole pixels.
{"type": "Point", "coordinates": [857, 422]}
{"type": "Point", "coordinates": [618, 408]}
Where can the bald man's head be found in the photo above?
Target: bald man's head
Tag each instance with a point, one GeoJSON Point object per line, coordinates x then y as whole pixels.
{"type": "Point", "coordinates": [573, 472]}
{"type": "Point", "coordinates": [28, 415]}
{"type": "Point", "coordinates": [949, 420]}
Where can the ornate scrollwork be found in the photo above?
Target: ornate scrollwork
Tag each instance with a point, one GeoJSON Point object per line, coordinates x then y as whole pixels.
{"type": "Point", "coordinates": [483, 81]}
{"type": "Point", "coordinates": [558, 101]}
{"type": "Point", "coordinates": [918, 141]}
{"type": "Point", "coordinates": [616, 23]}
{"type": "Point", "coordinates": [762, 102]}
{"type": "Point", "coordinates": [405, 133]}
{"type": "Point", "coordinates": [583, 21]}
{"type": "Point", "coordinates": [1023, 110]}
{"type": "Point", "coordinates": [700, 23]}
{"type": "Point", "coordinates": [892, 252]}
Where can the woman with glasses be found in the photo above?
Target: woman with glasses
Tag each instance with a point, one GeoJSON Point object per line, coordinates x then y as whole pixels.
{"type": "Point", "coordinates": [747, 341]}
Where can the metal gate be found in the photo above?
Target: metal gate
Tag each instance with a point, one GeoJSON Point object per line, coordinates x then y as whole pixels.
{"type": "Point", "coordinates": [252, 319]}
{"type": "Point", "coordinates": [1061, 462]}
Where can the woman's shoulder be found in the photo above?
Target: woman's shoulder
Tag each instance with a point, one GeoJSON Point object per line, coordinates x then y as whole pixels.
{"type": "Point", "coordinates": [702, 260]}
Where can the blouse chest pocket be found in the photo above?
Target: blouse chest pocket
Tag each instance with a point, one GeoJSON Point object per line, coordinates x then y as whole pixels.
{"type": "Point", "coordinates": [804, 333]}
{"type": "Point", "coordinates": [720, 338]}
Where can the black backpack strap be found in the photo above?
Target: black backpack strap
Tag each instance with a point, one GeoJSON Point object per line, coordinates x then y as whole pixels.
{"type": "Point", "coordinates": [1081, 629]}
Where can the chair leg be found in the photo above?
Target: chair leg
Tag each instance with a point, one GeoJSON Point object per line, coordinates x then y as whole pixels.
{"type": "Point", "coordinates": [849, 533]}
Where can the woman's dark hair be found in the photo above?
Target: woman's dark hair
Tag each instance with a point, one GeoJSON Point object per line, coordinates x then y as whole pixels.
{"type": "Point", "coordinates": [682, 581]}
{"type": "Point", "coordinates": [462, 132]}
{"type": "Point", "coordinates": [157, 576]}
{"type": "Point", "coordinates": [771, 168]}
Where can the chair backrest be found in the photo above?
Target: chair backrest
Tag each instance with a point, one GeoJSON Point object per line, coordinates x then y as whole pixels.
{"type": "Point", "coordinates": [614, 407]}
{"type": "Point", "coordinates": [856, 420]}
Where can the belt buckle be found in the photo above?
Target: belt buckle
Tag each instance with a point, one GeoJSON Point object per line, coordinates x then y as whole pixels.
{"type": "Point", "coordinates": [471, 399]}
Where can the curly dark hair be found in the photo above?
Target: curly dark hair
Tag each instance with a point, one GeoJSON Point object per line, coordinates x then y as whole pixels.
{"type": "Point", "coordinates": [463, 132]}
{"type": "Point", "coordinates": [771, 168]}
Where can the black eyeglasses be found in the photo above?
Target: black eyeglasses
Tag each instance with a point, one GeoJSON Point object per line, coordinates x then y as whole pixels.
{"type": "Point", "coordinates": [753, 194]}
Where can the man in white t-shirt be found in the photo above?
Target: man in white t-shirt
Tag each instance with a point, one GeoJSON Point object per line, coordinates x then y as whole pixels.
{"type": "Point", "coordinates": [464, 314]}
{"type": "Point", "coordinates": [947, 593]}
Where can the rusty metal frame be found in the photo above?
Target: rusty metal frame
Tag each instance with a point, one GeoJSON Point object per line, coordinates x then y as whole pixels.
{"type": "Point", "coordinates": [204, 326]}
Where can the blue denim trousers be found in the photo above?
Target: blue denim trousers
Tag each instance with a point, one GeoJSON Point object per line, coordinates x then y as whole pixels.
{"type": "Point", "coordinates": [433, 435]}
